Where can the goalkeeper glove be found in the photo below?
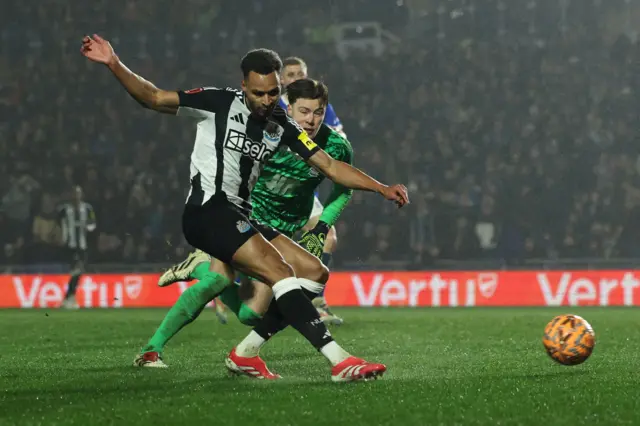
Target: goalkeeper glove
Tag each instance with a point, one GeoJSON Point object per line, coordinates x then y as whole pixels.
{"type": "Point", "coordinates": [313, 240]}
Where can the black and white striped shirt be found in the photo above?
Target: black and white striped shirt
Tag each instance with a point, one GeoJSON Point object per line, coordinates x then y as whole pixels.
{"type": "Point", "coordinates": [232, 145]}
{"type": "Point", "coordinates": [76, 221]}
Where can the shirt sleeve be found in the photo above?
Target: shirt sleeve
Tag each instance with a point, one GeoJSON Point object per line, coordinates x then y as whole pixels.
{"type": "Point", "coordinates": [340, 195]}
{"type": "Point", "coordinates": [335, 204]}
{"type": "Point", "coordinates": [203, 101]}
{"type": "Point", "coordinates": [295, 137]}
{"type": "Point", "coordinates": [282, 103]}
{"type": "Point", "coordinates": [91, 218]}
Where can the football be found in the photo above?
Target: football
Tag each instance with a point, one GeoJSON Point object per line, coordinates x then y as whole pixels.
{"type": "Point", "coordinates": [569, 339]}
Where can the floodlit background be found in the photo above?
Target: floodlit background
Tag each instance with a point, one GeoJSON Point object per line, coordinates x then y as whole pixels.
{"type": "Point", "coordinates": [513, 123]}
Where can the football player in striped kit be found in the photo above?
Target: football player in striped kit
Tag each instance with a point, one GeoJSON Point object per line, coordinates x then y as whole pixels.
{"type": "Point", "coordinates": [226, 161]}
{"type": "Point", "coordinates": [77, 219]}
{"type": "Point", "coordinates": [283, 199]}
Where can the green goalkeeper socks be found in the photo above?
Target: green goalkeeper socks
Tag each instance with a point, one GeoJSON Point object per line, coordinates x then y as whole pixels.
{"type": "Point", "coordinates": [188, 306]}
{"type": "Point", "coordinates": [200, 271]}
{"type": "Point", "coordinates": [231, 298]}
{"type": "Point", "coordinates": [229, 295]}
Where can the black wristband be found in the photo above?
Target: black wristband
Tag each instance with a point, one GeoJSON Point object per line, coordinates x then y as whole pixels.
{"type": "Point", "coordinates": [321, 228]}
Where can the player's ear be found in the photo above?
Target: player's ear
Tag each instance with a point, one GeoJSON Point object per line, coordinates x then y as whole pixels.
{"type": "Point", "coordinates": [243, 85]}
{"type": "Point", "coordinates": [289, 110]}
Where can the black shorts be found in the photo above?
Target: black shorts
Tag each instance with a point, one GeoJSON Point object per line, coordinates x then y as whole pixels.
{"type": "Point", "coordinates": [219, 228]}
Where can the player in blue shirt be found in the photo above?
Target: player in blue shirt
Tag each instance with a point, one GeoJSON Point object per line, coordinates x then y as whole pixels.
{"type": "Point", "coordinates": [295, 69]}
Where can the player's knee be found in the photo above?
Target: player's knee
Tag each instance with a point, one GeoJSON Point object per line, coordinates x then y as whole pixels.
{"type": "Point", "coordinates": [331, 242]}
{"type": "Point", "coordinates": [324, 274]}
{"type": "Point", "coordinates": [314, 270]}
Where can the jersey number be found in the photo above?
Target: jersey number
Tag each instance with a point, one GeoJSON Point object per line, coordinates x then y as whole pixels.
{"type": "Point", "coordinates": [281, 185]}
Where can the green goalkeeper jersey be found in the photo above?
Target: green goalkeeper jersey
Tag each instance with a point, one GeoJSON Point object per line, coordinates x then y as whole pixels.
{"type": "Point", "coordinates": [283, 195]}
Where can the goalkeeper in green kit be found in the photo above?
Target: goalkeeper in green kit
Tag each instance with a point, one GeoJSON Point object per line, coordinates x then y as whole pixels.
{"type": "Point", "coordinates": [282, 198]}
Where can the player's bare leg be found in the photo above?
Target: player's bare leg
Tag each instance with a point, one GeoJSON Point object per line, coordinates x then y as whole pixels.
{"type": "Point", "coordinates": [260, 259]}
{"type": "Point", "coordinates": [304, 263]}
{"type": "Point", "coordinates": [256, 295]}
{"type": "Point", "coordinates": [314, 275]}
{"type": "Point", "coordinates": [252, 299]}
{"type": "Point", "coordinates": [330, 245]}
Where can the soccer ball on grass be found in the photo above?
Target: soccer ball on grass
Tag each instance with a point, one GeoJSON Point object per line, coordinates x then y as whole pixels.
{"type": "Point", "coordinates": [569, 339]}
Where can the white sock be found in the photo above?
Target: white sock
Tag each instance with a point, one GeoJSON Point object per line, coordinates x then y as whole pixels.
{"type": "Point", "coordinates": [251, 345]}
{"type": "Point", "coordinates": [284, 286]}
{"type": "Point", "coordinates": [334, 353]}
{"type": "Point", "coordinates": [311, 286]}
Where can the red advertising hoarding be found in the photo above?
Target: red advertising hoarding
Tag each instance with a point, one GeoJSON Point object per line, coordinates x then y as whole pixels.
{"type": "Point", "coordinates": [431, 289]}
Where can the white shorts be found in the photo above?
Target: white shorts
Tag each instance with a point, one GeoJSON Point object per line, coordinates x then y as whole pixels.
{"type": "Point", "coordinates": [317, 207]}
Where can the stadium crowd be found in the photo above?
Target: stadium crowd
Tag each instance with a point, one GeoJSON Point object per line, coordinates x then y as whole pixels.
{"type": "Point", "coordinates": [511, 149]}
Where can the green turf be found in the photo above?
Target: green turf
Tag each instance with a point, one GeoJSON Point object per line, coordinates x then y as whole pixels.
{"type": "Point", "coordinates": [449, 366]}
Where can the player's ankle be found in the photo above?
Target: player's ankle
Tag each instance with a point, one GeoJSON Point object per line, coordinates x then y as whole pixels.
{"type": "Point", "coordinates": [334, 353]}
{"type": "Point", "coordinates": [250, 346]}
{"type": "Point", "coordinates": [150, 348]}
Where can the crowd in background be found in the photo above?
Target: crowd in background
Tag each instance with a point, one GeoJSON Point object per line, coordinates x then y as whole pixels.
{"type": "Point", "coordinates": [514, 145]}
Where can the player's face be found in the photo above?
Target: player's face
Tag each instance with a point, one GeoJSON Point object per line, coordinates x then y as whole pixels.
{"type": "Point", "coordinates": [309, 114]}
{"type": "Point", "coordinates": [77, 193]}
{"type": "Point", "coordinates": [292, 73]}
{"type": "Point", "coordinates": [262, 92]}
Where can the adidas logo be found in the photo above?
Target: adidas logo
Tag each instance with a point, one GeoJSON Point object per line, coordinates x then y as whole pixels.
{"type": "Point", "coordinates": [238, 118]}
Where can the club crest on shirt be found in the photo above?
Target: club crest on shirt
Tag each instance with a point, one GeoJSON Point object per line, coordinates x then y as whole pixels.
{"type": "Point", "coordinates": [243, 226]}
{"type": "Point", "coordinates": [273, 132]}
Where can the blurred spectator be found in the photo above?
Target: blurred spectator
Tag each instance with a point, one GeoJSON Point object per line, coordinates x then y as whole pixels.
{"type": "Point", "coordinates": [515, 128]}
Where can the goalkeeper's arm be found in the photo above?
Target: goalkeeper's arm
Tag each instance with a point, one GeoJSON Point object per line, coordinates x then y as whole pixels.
{"type": "Point", "coordinates": [313, 240]}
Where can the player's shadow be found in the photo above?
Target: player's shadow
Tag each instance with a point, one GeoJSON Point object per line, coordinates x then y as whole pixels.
{"type": "Point", "coordinates": [101, 369]}
{"type": "Point", "coordinates": [138, 387]}
{"type": "Point", "coordinates": [565, 372]}
{"type": "Point", "coordinates": [290, 356]}
{"type": "Point", "coordinates": [270, 357]}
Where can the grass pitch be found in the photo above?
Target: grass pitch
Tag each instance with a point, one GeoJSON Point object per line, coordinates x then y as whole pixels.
{"type": "Point", "coordinates": [446, 367]}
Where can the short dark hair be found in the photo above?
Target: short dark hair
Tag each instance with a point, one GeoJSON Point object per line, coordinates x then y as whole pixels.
{"type": "Point", "coordinates": [294, 60]}
{"type": "Point", "coordinates": [261, 61]}
{"type": "Point", "coordinates": [308, 88]}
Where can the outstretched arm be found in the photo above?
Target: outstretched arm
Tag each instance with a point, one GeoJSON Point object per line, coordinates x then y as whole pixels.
{"type": "Point", "coordinates": [339, 172]}
{"type": "Point", "coordinates": [351, 177]}
{"type": "Point", "coordinates": [144, 92]}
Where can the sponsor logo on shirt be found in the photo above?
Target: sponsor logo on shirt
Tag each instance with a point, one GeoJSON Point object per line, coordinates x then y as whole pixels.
{"type": "Point", "coordinates": [239, 142]}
